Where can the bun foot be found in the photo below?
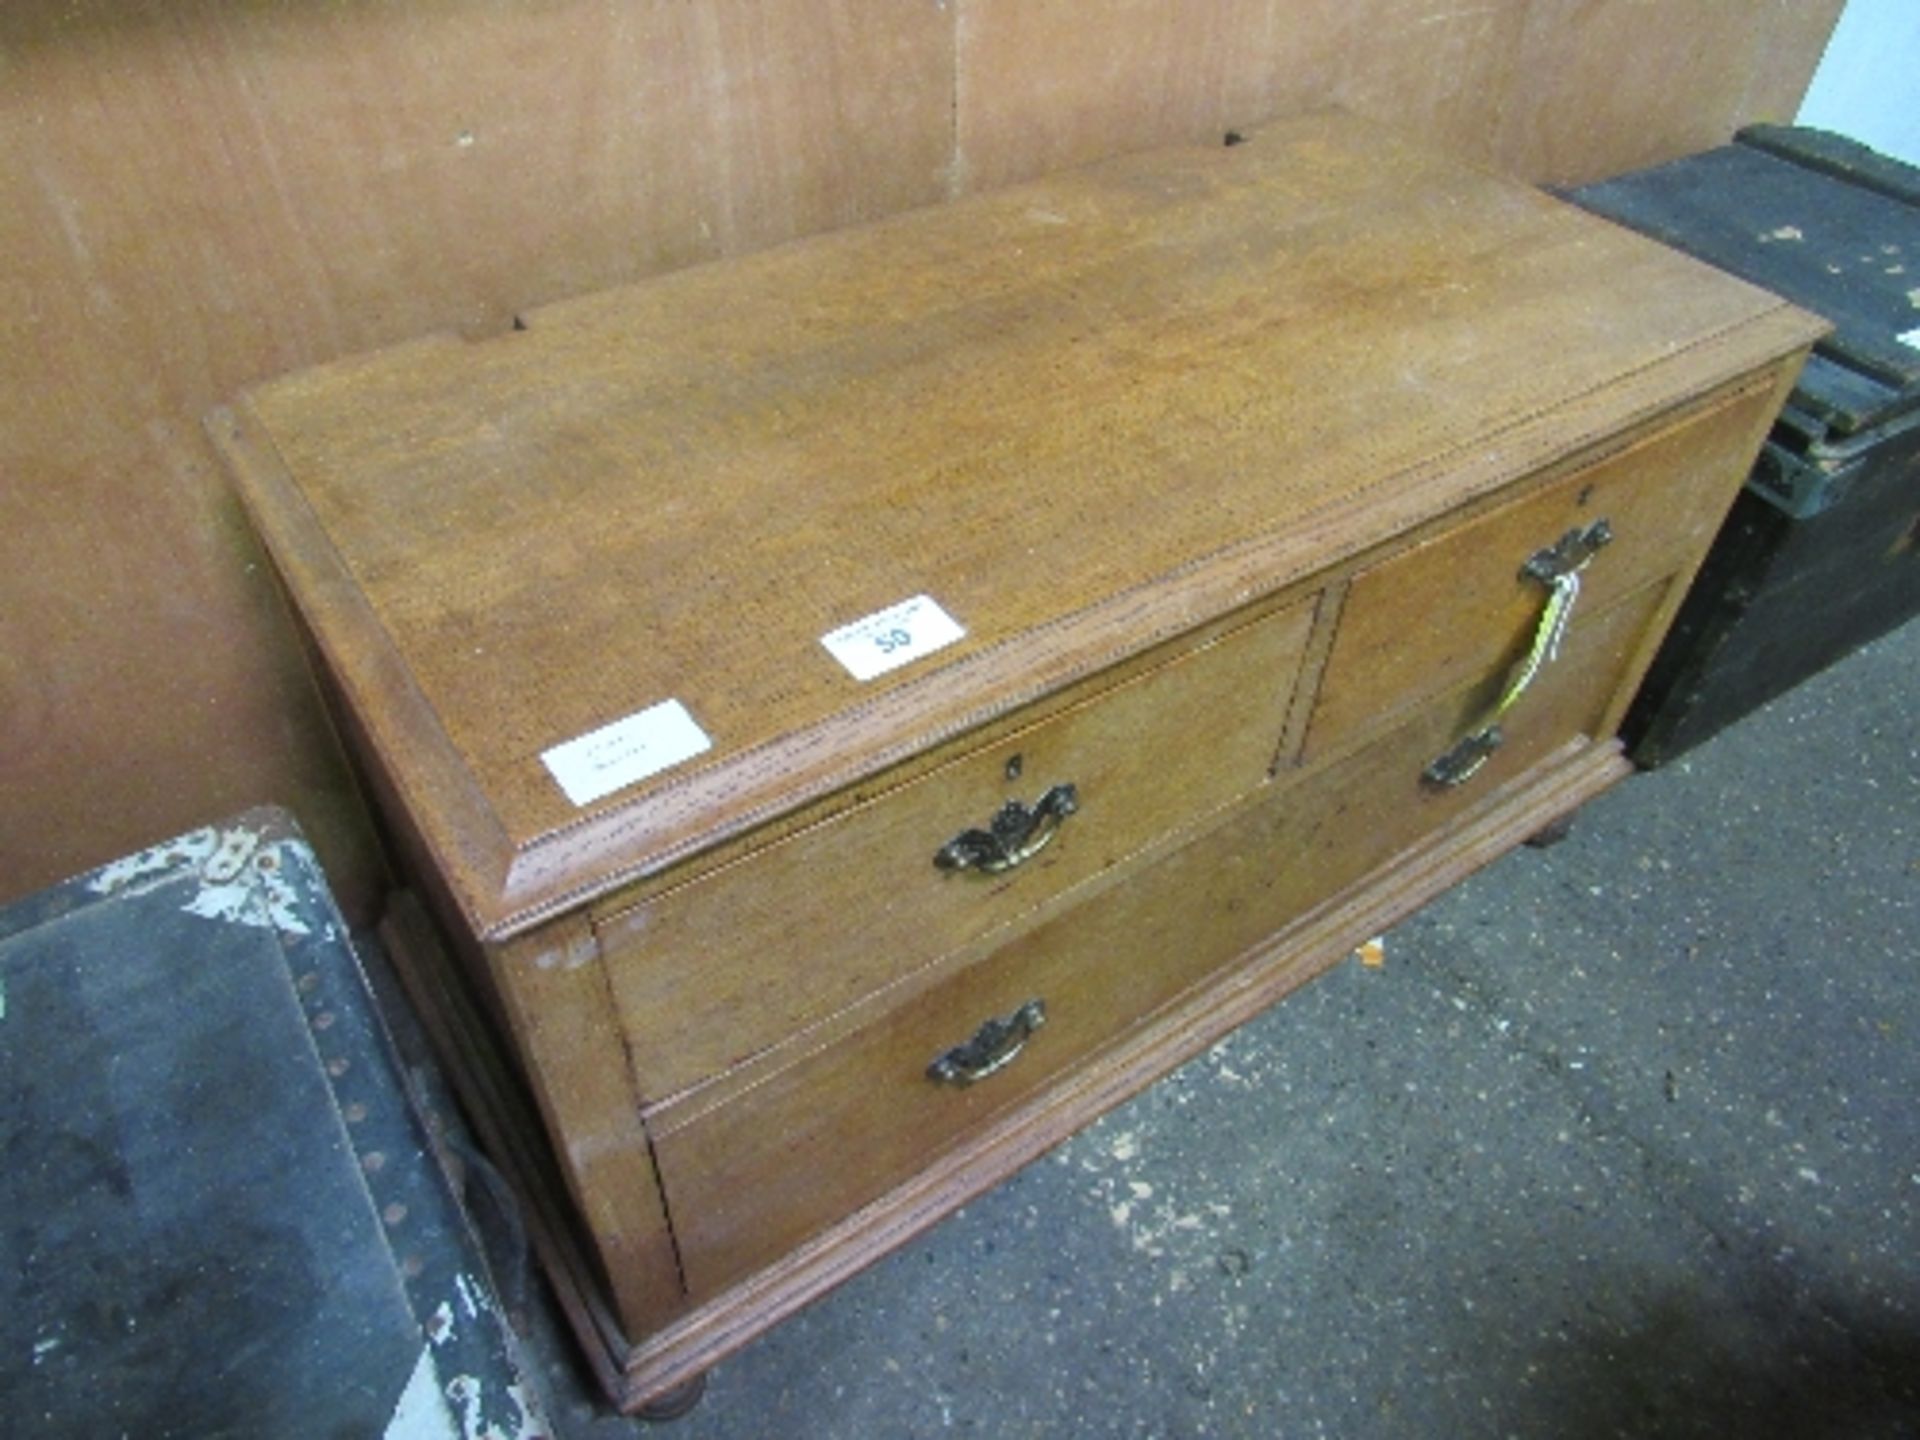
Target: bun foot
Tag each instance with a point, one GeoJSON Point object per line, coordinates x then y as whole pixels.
{"type": "Point", "coordinates": [1551, 834]}
{"type": "Point", "coordinates": [674, 1403]}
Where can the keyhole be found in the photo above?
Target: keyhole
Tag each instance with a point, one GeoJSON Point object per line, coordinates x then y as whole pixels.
{"type": "Point", "coordinates": [1014, 766]}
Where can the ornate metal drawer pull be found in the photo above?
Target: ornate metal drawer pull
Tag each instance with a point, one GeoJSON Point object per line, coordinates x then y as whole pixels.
{"type": "Point", "coordinates": [1558, 568]}
{"type": "Point", "coordinates": [1568, 554]}
{"type": "Point", "coordinates": [1468, 754]}
{"type": "Point", "coordinates": [1012, 837]}
{"type": "Point", "coordinates": [992, 1048]}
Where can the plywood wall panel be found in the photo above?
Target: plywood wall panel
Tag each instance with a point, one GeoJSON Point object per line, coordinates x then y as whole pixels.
{"type": "Point", "coordinates": [1438, 68]}
{"type": "Point", "coordinates": [1044, 84]}
{"type": "Point", "coordinates": [1554, 90]}
{"type": "Point", "coordinates": [1604, 86]}
{"type": "Point", "coordinates": [1794, 37]}
{"type": "Point", "coordinates": [195, 194]}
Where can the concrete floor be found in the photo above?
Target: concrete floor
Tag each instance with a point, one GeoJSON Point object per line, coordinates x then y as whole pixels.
{"type": "Point", "coordinates": [1623, 1139]}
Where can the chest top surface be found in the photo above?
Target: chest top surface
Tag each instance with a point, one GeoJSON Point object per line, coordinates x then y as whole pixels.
{"type": "Point", "coordinates": [1080, 416]}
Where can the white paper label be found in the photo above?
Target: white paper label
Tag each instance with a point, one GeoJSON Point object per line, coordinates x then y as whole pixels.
{"type": "Point", "coordinates": [1910, 337]}
{"type": "Point", "coordinates": [892, 637]}
{"type": "Point", "coordinates": [614, 756]}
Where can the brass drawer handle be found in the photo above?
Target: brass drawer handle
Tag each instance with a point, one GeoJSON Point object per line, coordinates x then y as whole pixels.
{"type": "Point", "coordinates": [1013, 837]}
{"type": "Point", "coordinates": [993, 1047]}
{"type": "Point", "coordinates": [1468, 754]}
{"type": "Point", "coordinates": [1568, 555]}
{"type": "Point", "coordinates": [1558, 568]}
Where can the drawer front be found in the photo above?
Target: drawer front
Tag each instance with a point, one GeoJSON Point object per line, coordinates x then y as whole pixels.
{"type": "Point", "coordinates": [728, 964]}
{"type": "Point", "coordinates": [749, 1177]}
{"type": "Point", "coordinates": [1458, 605]}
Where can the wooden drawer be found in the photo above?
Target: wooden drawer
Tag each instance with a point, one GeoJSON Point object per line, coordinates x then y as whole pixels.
{"type": "Point", "coordinates": [1457, 604]}
{"type": "Point", "coordinates": [701, 974]}
{"type": "Point", "coordinates": [750, 1175]}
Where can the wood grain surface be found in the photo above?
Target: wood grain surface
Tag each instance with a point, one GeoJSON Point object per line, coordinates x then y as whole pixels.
{"type": "Point", "coordinates": [1272, 969]}
{"type": "Point", "coordinates": [197, 195]}
{"type": "Point", "coordinates": [1587, 70]}
{"type": "Point", "coordinates": [1547, 89]}
{"type": "Point", "coordinates": [1081, 414]}
{"type": "Point", "coordinates": [743, 1179]}
{"type": "Point", "coordinates": [708, 973]}
{"type": "Point", "coordinates": [1457, 604]}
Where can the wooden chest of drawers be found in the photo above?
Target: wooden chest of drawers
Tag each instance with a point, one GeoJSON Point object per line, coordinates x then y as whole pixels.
{"type": "Point", "coordinates": [857, 711]}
